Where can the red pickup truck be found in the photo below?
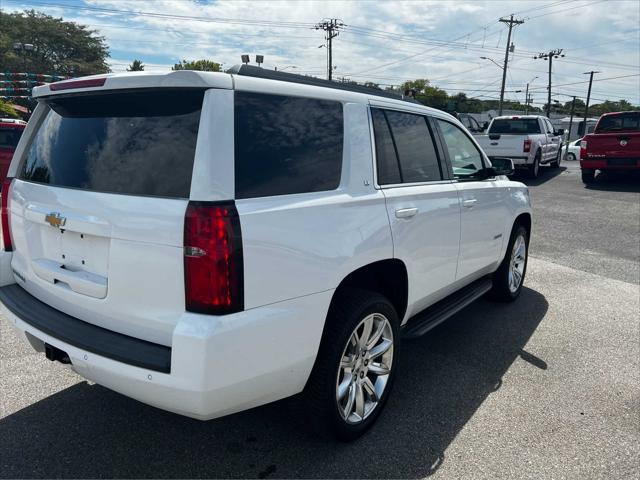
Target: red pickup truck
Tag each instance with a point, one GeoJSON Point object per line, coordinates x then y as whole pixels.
{"type": "Point", "coordinates": [613, 145]}
{"type": "Point", "coordinates": [10, 132]}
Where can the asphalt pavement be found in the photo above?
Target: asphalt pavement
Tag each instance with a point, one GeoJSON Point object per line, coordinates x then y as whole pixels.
{"type": "Point", "coordinates": [546, 387]}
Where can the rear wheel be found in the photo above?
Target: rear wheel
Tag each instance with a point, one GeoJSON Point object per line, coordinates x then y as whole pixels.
{"type": "Point", "coordinates": [355, 367]}
{"type": "Point", "coordinates": [534, 169]}
{"type": "Point", "coordinates": [571, 157]}
{"type": "Point", "coordinates": [557, 161]}
{"type": "Point", "coordinates": [588, 176]}
{"type": "Point", "coordinates": [508, 279]}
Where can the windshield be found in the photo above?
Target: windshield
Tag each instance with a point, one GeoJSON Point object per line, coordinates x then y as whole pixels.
{"type": "Point", "coordinates": [515, 126]}
{"type": "Point", "coordinates": [619, 123]}
{"type": "Point", "coordinates": [137, 143]}
{"type": "Point", "coordinates": [9, 137]}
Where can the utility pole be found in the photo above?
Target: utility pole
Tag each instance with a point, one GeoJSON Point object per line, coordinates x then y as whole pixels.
{"type": "Point", "coordinates": [526, 96]}
{"type": "Point", "coordinates": [586, 106]}
{"type": "Point", "coordinates": [550, 56]}
{"type": "Point", "coordinates": [332, 28]}
{"type": "Point", "coordinates": [573, 108]}
{"type": "Point", "coordinates": [511, 22]}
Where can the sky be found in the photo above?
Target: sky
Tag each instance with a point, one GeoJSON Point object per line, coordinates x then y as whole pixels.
{"type": "Point", "coordinates": [386, 42]}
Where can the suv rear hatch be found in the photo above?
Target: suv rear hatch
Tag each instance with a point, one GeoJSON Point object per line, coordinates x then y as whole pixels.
{"type": "Point", "coordinates": [98, 204]}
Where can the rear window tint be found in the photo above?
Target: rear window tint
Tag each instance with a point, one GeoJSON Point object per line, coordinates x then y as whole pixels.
{"type": "Point", "coordinates": [135, 143]}
{"type": "Point", "coordinates": [9, 137]}
{"type": "Point", "coordinates": [386, 159]}
{"type": "Point", "coordinates": [510, 126]}
{"type": "Point", "coordinates": [619, 122]}
{"type": "Point", "coordinates": [286, 145]}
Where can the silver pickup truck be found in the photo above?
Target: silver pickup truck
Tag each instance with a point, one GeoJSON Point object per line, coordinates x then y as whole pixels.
{"type": "Point", "coordinates": [528, 140]}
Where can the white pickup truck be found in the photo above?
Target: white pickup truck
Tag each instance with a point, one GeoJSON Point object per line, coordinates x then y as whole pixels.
{"type": "Point", "coordinates": [528, 140]}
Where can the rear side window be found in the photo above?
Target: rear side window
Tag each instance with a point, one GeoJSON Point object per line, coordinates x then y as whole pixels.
{"type": "Point", "coordinates": [135, 143]}
{"type": "Point", "coordinates": [413, 151]}
{"type": "Point", "coordinates": [9, 137]}
{"type": "Point", "coordinates": [286, 145]}
{"type": "Point", "coordinates": [386, 159]}
{"type": "Point", "coordinates": [512, 126]}
{"type": "Point", "coordinates": [620, 122]}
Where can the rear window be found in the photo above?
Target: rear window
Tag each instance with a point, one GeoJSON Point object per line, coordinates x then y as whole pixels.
{"type": "Point", "coordinates": [286, 145]}
{"type": "Point", "coordinates": [9, 137]}
{"type": "Point", "coordinates": [512, 126]}
{"type": "Point", "coordinates": [135, 143]}
{"type": "Point", "coordinates": [620, 122]}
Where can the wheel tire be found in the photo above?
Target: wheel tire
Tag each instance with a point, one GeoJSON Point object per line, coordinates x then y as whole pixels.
{"type": "Point", "coordinates": [557, 161]}
{"type": "Point", "coordinates": [534, 169]}
{"type": "Point", "coordinates": [571, 157]}
{"type": "Point", "coordinates": [588, 176]}
{"type": "Point", "coordinates": [503, 290]}
{"type": "Point", "coordinates": [320, 397]}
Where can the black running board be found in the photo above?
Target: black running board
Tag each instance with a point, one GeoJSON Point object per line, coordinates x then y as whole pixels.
{"type": "Point", "coordinates": [437, 313]}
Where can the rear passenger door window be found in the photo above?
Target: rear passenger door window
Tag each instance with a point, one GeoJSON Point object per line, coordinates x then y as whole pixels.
{"type": "Point", "coordinates": [286, 145]}
{"type": "Point", "coordinates": [465, 157]}
{"type": "Point", "coordinates": [405, 148]}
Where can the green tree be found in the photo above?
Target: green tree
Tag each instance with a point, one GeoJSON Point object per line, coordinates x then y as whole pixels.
{"type": "Point", "coordinates": [6, 110]}
{"type": "Point", "coordinates": [60, 47]}
{"type": "Point", "coordinates": [136, 66]}
{"type": "Point", "coordinates": [202, 65]}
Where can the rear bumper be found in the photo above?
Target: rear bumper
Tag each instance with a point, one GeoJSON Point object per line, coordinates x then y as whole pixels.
{"type": "Point", "coordinates": [517, 161]}
{"type": "Point", "coordinates": [610, 164]}
{"type": "Point", "coordinates": [219, 365]}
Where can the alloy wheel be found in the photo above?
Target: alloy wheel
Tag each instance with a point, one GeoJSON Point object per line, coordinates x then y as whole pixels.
{"type": "Point", "coordinates": [518, 260]}
{"type": "Point", "coordinates": [365, 368]}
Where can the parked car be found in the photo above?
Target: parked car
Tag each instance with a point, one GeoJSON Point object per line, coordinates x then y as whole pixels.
{"type": "Point", "coordinates": [613, 145]}
{"type": "Point", "coordinates": [206, 242]}
{"type": "Point", "coordinates": [528, 140]}
{"type": "Point", "coordinates": [10, 132]}
{"type": "Point", "coordinates": [571, 151]}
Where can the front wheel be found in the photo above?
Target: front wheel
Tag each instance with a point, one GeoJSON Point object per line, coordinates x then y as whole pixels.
{"type": "Point", "coordinates": [508, 279]}
{"type": "Point", "coordinates": [355, 367]}
{"type": "Point", "coordinates": [571, 157]}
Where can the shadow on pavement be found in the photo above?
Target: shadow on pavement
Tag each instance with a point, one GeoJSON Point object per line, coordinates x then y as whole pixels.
{"type": "Point", "coordinates": [89, 431]}
{"type": "Point", "coordinates": [616, 182]}
{"type": "Point", "coordinates": [545, 175]}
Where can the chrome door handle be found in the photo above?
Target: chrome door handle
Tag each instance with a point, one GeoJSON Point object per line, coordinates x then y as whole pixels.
{"type": "Point", "coordinates": [406, 212]}
{"type": "Point", "coordinates": [469, 203]}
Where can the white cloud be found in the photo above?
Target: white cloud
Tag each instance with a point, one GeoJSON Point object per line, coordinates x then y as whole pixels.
{"type": "Point", "coordinates": [422, 29]}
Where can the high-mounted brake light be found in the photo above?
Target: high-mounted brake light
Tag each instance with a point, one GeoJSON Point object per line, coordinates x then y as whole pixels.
{"type": "Point", "coordinates": [90, 82]}
{"type": "Point", "coordinates": [213, 263]}
{"type": "Point", "coordinates": [6, 227]}
{"type": "Point", "coordinates": [526, 146]}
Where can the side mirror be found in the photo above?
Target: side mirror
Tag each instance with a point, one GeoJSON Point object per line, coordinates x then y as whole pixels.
{"type": "Point", "coordinates": [560, 131]}
{"type": "Point", "coordinates": [501, 166]}
{"type": "Point", "coordinates": [485, 125]}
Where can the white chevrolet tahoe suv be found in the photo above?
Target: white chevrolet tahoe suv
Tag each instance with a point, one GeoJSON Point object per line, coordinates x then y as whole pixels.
{"type": "Point", "coordinates": [528, 140]}
{"type": "Point", "coordinates": [209, 242]}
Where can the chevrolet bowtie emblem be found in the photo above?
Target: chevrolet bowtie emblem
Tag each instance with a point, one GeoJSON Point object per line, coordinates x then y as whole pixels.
{"type": "Point", "coordinates": [55, 220]}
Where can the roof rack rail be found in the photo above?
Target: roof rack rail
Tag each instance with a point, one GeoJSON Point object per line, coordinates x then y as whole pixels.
{"type": "Point", "coordinates": [258, 72]}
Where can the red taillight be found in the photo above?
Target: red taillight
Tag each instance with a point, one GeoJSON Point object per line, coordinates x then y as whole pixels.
{"type": "Point", "coordinates": [68, 85]}
{"type": "Point", "coordinates": [583, 149]}
{"type": "Point", "coordinates": [6, 228]}
{"type": "Point", "coordinates": [526, 147]}
{"type": "Point", "coordinates": [213, 265]}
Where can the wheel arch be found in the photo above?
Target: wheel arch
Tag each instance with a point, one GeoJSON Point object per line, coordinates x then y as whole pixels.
{"type": "Point", "coordinates": [387, 277]}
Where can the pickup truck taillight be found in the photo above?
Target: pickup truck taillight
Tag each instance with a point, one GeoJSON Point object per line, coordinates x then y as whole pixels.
{"type": "Point", "coordinates": [6, 227]}
{"type": "Point", "coordinates": [213, 264]}
{"type": "Point", "coordinates": [526, 147]}
{"type": "Point", "coordinates": [583, 149]}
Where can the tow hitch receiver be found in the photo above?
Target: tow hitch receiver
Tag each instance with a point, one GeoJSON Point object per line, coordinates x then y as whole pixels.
{"type": "Point", "coordinates": [55, 354]}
